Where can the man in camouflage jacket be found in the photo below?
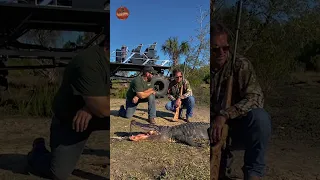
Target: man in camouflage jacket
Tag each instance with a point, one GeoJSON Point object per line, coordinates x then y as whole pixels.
{"type": "Point", "coordinates": [248, 121]}
{"type": "Point", "coordinates": [186, 100]}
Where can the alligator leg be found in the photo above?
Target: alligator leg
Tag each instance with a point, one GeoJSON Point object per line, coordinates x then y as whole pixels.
{"type": "Point", "coordinates": [187, 141]}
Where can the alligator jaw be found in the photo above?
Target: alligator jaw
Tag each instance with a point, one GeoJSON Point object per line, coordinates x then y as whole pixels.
{"type": "Point", "coordinates": [147, 127]}
{"type": "Point", "coordinates": [152, 130]}
{"type": "Point", "coordinates": [150, 135]}
{"type": "Point", "coordinates": [139, 137]}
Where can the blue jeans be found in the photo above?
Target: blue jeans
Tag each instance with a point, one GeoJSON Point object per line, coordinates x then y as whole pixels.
{"type": "Point", "coordinates": [187, 103]}
{"type": "Point", "coordinates": [131, 107]}
{"type": "Point", "coordinates": [254, 131]}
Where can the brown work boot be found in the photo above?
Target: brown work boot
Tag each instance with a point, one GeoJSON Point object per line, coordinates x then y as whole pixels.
{"type": "Point", "coordinates": [151, 121]}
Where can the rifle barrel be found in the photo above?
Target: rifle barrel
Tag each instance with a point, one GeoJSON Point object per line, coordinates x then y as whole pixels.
{"type": "Point", "coordinates": [239, 9]}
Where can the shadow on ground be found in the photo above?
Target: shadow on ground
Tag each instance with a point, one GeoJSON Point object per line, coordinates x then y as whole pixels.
{"type": "Point", "coordinates": [126, 134]}
{"type": "Point", "coordinates": [168, 116]}
{"type": "Point", "coordinates": [96, 152]}
{"type": "Point", "coordinates": [161, 114]}
{"type": "Point", "coordinates": [87, 175]}
{"type": "Point", "coordinates": [114, 112]}
{"type": "Point", "coordinates": [17, 164]}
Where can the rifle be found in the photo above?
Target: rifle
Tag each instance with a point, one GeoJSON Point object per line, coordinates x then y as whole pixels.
{"type": "Point", "coordinates": [216, 150]}
{"type": "Point", "coordinates": [176, 115]}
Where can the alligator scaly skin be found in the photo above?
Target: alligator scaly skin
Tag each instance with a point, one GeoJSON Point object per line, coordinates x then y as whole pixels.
{"type": "Point", "coordinates": [189, 132]}
{"type": "Point", "coordinates": [186, 133]}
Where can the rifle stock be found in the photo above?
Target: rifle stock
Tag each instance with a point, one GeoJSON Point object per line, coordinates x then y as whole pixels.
{"type": "Point", "coordinates": [215, 151]}
{"type": "Point", "coordinates": [176, 115]}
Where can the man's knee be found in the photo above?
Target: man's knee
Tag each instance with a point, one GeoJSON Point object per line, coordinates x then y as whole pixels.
{"type": "Point", "coordinates": [128, 115]}
{"type": "Point", "coordinates": [168, 106]}
{"type": "Point", "coordinates": [191, 100]}
{"type": "Point", "coordinates": [260, 115]}
{"type": "Point", "coordinates": [261, 120]}
{"type": "Point", "coordinates": [65, 158]}
{"type": "Point", "coordinates": [152, 97]}
{"type": "Point", "coordinates": [61, 166]}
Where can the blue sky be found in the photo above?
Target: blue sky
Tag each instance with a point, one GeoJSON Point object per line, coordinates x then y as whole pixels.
{"type": "Point", "coordinates": [154, 21]}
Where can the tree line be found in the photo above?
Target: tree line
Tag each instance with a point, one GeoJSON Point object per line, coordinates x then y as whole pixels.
{"type": "Point", "coordinates": [279, 37]}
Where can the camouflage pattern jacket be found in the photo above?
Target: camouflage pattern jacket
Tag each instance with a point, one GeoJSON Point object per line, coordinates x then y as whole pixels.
{"type": "Point", "coordinates": [174, 90]}
{"type": "Point", "coordinates": [247, 93]}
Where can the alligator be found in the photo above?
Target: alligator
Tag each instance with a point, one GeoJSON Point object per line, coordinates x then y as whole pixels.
{"type": "Point", "coordinates": [192, 133]}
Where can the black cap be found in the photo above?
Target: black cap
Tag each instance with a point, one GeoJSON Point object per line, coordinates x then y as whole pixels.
{"type": "Point", "coordinates": [149, 69]}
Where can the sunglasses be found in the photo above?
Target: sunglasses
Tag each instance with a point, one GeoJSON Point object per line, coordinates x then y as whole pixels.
{"type": "Point", "coordinates": [216, 49]}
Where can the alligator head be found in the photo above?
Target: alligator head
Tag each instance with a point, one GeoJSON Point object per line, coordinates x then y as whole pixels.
{"type": "Point", "coordinates": [153, 131]}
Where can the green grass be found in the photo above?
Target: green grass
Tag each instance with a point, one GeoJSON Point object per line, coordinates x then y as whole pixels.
{"type": "Point", "coordinates": [40, 102]}
{"type": "Point", "coordinates": [150, 159]}
{"type": "Point", "coordinates": [36, 101]}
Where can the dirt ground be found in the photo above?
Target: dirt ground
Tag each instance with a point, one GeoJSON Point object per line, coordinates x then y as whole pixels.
{"type": "Point", "coordinates": [17, 135]}
{"type": "Point", "coordinates": [293, 153]}
{"type": "Point", "coordinates": [147, 160]}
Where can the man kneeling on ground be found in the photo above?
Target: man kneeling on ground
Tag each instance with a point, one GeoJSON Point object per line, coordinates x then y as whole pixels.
{"type": "Point", "coordinates": [249, 122]}
{"type": "Point", "coordinates": [81, 106]}
{"type": "Point", "coordinates": [141, 90]}
{"type": "Point", "coordinates": [186, 100]}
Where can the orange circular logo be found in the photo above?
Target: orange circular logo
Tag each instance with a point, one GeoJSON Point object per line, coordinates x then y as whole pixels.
{"type": "Point", "coordinates": [122, 13]}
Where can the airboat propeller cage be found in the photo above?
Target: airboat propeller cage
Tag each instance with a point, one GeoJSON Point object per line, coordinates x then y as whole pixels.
{"type": "Point", "coordinates": [61, 15]}
{"type": "Point", "coordinates": [96, 4]}
{"type": "Point", "coordinates": [133, 59]}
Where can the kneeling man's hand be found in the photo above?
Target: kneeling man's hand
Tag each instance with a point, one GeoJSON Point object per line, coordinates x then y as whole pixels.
{"type": "Point", "coordinates": [81, 120]}
{"type": "Point", "coordinates": [178, 103]}
{"type": "Point", "coordinates": [135, 100]}
{"type": "Point", "coordinates": [216, 131]}
{"type": "Point", "coordinates": [154, 92]}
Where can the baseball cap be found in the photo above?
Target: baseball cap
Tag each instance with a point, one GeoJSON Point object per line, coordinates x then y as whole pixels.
{"type": "Point", "coordinates": [149, 69]}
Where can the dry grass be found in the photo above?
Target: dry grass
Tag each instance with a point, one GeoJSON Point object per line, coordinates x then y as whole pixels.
{"type": "Point", "coordinates": [146, 160]}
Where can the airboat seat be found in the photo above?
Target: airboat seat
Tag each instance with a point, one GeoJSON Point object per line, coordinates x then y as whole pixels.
{"type": "Point", "coordinates": [153, 46]}
{"type": "Point", "coordinates": [137, 49]}
{"type": "Point", "coordinates": [137, 58]}
{"type": "Point", "coordinates": [118, 55]}
{"type": "Point", "coordinates": [150, 53]}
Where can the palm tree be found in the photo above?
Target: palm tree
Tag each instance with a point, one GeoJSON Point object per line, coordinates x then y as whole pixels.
{"type": "Point", "coordinates": [172, 48]}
